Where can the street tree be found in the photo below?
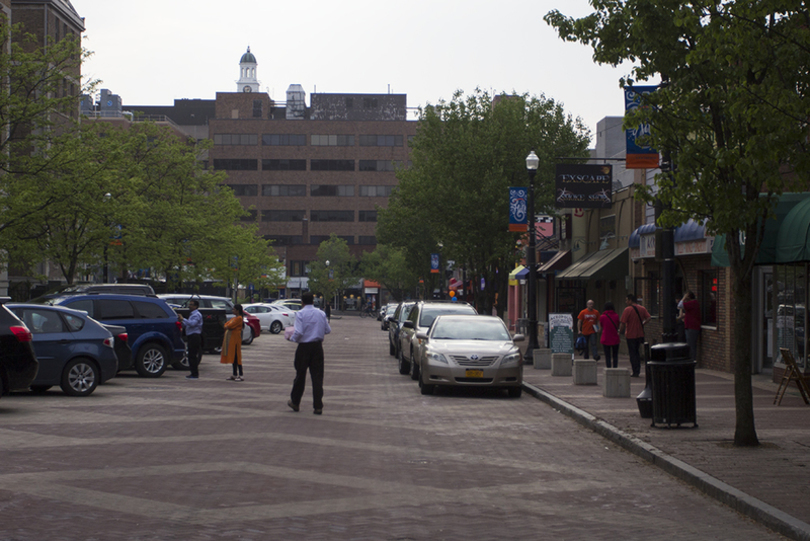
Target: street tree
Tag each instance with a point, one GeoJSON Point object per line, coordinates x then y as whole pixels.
{"type": "Point", "coordinates": [339, 274]}
{"type": "Point", "coordinates": [733, 114]}
{"type": "Point", "coordinates": [388, 265]}
{"type": "Point", "coordinates": [246, 259]}
{"type": "Point", "coordinates": [453, 199]}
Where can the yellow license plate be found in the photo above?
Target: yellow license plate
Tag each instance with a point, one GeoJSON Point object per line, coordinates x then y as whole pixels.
{"type": "Point", "coordinates": [475, 373]}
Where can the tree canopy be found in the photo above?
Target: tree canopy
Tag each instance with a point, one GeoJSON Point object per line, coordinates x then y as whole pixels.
{"type": "Point", "coordinates": [732, 113]}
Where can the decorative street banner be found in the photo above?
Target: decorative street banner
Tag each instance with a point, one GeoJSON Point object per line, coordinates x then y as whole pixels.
{"type": "Point", "coordinates": [518, 209]}
{"type": "Point", "coordinates": [639, 155]}
{"type": "Point", "coordinates": [561, 333]}
{"type": "Point", "coordinates": [584, 186]}
{"type": "Point", "coordinates": [434, 263]}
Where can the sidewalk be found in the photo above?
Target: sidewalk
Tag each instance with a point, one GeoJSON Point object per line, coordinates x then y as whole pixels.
{"type": "Point", "coordinates": [770, 484]}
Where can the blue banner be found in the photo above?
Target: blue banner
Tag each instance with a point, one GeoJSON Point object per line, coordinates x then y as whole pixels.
{"type": "Point", "coordinates": [434, 263]}
{"type": "Point", "coordinates": [639, 154]}
{"type": "Point", "coordinates": [518, 209]}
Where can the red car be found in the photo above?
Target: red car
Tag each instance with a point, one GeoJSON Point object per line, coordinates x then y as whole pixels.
{"type": "Point", "coordinates": [255, 326]}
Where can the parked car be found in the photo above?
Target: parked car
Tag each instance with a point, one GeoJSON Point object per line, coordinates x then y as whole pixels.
{"type": "Point", "coordinates": [420, 318]}
{"type": "Point", "coordinates": [272, 317]}
{"type": "Point", "coordinates": [292, 304]}
{"type": "Point", "coordinates": [395, 324]}
{"type": "Point", "coordinates": [74, 351]}
{"type": "Point", "coordinates": [469, 350]}
{"type": "Point", "coordinates": [152, 327]}
{"type": "Point", "coordinates": [87, 289]}
{"type": "Point", "coordinates": [387, 310]}
{"type": "Point", "coordinates": [18, 362]}
{"type": "Point", "coordinates": [215, 311]}
{"type": "Point", "coordinates": [121, 346]}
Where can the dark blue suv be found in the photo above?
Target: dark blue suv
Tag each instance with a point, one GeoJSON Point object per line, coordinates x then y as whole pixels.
{"type": "Point", "coordinates": [154, 334]}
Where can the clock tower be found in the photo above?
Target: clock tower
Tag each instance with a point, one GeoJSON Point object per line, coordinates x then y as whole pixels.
{"type": "Point", "coordinates": [247, 73]}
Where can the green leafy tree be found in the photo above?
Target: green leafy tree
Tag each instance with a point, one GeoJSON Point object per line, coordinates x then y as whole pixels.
{"type": "Point", "coordinates": [245, 259]}
{"type": "Point", "coordinates": [733, 114]}
{"type": "Point", "coordinates": [454, 198]}
{"type": "Point", "coordinates": [388, 265]}
{"type": "Point", "coordinates": [341, 272]}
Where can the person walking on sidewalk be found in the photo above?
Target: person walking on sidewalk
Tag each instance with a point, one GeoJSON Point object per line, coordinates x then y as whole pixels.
{"type": "Point", "coordinates": [193, 327]}
{"type": "Point", "coordinates": [588, 321]}
{"type": "Point", "coordinates": [609, 320]}
{"type": "Point", "coordinates": [633, 320]}
{"type": "Point", "coordinates": [690, 314]}
{"type": "Point", "coordinates": [310, 328]}
{"type": "Point", "coordinates": [232, 343]}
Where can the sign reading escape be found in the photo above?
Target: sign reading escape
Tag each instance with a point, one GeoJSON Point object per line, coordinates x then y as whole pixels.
{"type": "Point", "coordinates": [584, 186]}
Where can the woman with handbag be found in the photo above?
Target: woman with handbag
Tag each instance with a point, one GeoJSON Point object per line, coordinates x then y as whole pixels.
{"type": "Point", "coordinates": [610, 335]}
{"type": "Point", "coordinates": [232, 342]}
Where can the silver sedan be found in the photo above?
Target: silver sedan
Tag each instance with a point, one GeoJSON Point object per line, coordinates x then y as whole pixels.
{"type": "Point", "coordinates": [470, 350]}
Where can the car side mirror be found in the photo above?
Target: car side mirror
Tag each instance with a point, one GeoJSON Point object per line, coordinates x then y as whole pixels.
{"type": "Point", "coordinates": [421, 335]}
{"type": "Point", "coordinates": [518, 338]}
{"type": "Point", "coordinates": [408, 324]}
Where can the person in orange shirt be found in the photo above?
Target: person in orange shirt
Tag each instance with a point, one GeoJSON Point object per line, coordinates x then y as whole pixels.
{"type": "Point", "coordinates": [588, 326]}
{"type": "Point", "coordinates": [232, 343]}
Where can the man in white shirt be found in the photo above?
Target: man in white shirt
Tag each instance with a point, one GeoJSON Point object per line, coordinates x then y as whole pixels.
{"type": "Point", "coordinates": [310, 328]}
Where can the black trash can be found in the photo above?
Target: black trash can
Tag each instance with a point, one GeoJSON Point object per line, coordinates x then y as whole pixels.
{"type": "Point", "coordinates": [672, 378]}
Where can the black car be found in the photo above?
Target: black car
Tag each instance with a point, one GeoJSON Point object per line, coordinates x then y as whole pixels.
{"type": "Point", "coordinates": [18, 362]}
{"type": "Point", "coordinates": [395, 323]}
{"type": "Point", "coordinates": [89, 289]}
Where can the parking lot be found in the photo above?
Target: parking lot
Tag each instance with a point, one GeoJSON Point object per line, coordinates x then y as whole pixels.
{"type": "Point", "coordinates": [170, 458]}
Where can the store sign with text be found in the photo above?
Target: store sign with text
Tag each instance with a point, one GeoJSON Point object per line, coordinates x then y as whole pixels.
{"type": "Point", "coordinates": [584, 186]}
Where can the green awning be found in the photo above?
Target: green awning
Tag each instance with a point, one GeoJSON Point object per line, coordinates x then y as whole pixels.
{"type": "Point", "coordinates": [768, 250]}
{"type": "Point", "coordinates": [601, 265]}
{"type": "Point", "coordinates": [793, 240]}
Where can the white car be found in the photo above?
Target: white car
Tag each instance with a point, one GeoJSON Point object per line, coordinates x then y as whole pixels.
{"type": "Point", "coordinates": [273, 317]}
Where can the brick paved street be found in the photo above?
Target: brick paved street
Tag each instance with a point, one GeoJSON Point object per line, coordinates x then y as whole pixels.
{"type": "Point", "coordinates": [212, 459]}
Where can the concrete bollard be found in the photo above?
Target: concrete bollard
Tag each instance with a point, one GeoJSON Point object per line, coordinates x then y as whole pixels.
{"type": "Point", "coordinates": [584, 372]}
{"type": "Point", "coordinates": [561, 364]}
{"type": "Point", "coordinates": [617, 383]}
{"type": "Point", "coordinates": [542, 359]}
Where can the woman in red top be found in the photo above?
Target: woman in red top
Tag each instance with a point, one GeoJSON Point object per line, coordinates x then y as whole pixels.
{"type": "Point", "coordinates": [690, 314]}
{"type": "Point", "coordinates": [609, 321]}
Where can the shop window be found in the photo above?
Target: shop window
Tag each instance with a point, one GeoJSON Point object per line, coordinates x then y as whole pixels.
{"type": "Point", "coordinates": [791, 283]}
{"type": "Point", "coordinates": [708, 298]}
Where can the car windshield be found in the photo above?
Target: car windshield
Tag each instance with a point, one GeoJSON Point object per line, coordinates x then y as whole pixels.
{"type": "Point", "coordinates": [470, 329]}
{"type": "Point", "coordinates": [429, 313]}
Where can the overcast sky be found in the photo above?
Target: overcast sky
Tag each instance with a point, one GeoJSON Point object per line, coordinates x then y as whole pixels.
{"type": "Point", "coordinates": [152, 52]}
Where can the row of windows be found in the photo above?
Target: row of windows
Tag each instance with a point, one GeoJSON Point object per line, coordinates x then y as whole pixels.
{"type": "Point", "coordinates": [289, 240]}
{"type": "Point", "coordinates": [315, 190]}
{"type": "Point", "coordinates": [300, 139]}
{"type": "Point", "coordinates": [314, 215]}
{"type": "Point", "coordinates": [228, 164]}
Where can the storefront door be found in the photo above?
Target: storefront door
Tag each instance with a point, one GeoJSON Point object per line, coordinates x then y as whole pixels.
{"type": "Point", "coordinates": [764, 320]}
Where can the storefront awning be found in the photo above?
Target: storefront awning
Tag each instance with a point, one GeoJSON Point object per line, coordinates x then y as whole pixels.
{"type": "Point", "coordinates": [560, 261]}
{"type": "Point", "coordinates": [793, 239]}
{"type": "Point", "coordinates": [769, 248]}
{"type": "Point", "coordinates": [635, 237]}
{"type": "Point", "coordinates": [514, 274]}
{"type": "Point", "coordinates": [523, 273]}
{"type": "Point", "coordinates": [601, 265]}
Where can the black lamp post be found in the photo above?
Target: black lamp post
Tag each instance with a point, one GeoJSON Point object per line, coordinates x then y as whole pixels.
{"type": "Point", "coordinates": [532, 162]}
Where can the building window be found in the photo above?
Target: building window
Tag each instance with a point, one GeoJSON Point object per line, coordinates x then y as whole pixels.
{"type": "Point", "coordinates": [225, 164]}
{"type": "Point", "coordinates": [285, 240]}
{"type": "Point", "coordinates": [369, 103]}
{"type": "Point", "coordinates": [284, 140]}
{"type": "Point", "coordinates": [367, 216]}
{"type": "Point", "coordinates": [245, 190]}
{"type": "Point", "coordinates": [298, 268]}
{"type": "Point", "coordinates": [376, 191]}
{"type": "Point", "coordinates": [257, 108]}
{"type": "Point", "coordinates": [708, 298]}
{"type": "Point", "coordinates": [367, 239]}
{"type": "Point", "coordinates": [380, 165]}
{"type": "Point", "coordinates": [331, 190]}
{"type": "Point", "coordinates": [283, 215]}
{"type": "Point", "coordinates": [317, 239]}
{"type": "Point", "coordinates": [331, 215]}
{"type": "Point", "coordinates": [236, 139]}
{"type": "Point", "coordinates": [284, 165]}
{"type": "Point", "coordinates": [648, 291]}
{"type": "Point", "coordinates": [380, 140]}
{"type": "Point", "coordinates": [249, 217]}
{"type": "Point", "coordinates": [332, 140]}
{"type": "Point", "coordinates": [284, 190]}
{"type": "Point", "coordinates": [331, 165]}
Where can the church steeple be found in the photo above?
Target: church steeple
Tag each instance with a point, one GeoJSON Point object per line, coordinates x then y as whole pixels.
{"type": "Point", "coordinates": [247, 73]}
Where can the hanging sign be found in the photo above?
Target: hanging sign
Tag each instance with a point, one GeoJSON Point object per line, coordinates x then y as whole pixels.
{"type": "Point", "coordinates": [518, 209]}
{"type": "Point", "coordinates": [639, 154]}
{"type": "Point", "coordinates": [584, 186]}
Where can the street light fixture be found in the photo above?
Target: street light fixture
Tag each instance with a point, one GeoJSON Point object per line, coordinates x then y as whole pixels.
{"type": "Point", "coordinates": [532, 163]}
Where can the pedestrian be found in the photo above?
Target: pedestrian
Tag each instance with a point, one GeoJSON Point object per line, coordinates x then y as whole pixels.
{"type": "Point", "coordinates": [232, 343]}
{"type": "Point", "coordinates": [690, 315]}
{"type": "Point", "coordinates": [193, 329]}
{"type": "Point", "coordinates": [588, 324]}
{"type": "Point", "coordinates": [328, 312]}
{"type": "Point", "coordinates": [609, 321]}
{"type": "Point", "coordinates": [310, 328]}
{"type": "Point", "coordinates": [633, 319]}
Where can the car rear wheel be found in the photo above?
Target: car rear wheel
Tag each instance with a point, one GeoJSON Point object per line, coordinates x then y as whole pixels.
{"type": "Point", "coordinates": [249, 340]}
{"type": "Point", "coordinates": [414, 369]}
{"type": "Point", "coordinates": [151, 362]}
{"type": "Point", "coordinates": [182, 364]}
{"type": "Point", "coordinates": [276, 327]}
{"type": "Point", "coordinates": [404, 366]}
{"type": "Point", "coordinates": [79, 378]}
{"type": "Point", "coordinates": [391, 349]}
{"type": "Point", "coordinates": [515, 392]}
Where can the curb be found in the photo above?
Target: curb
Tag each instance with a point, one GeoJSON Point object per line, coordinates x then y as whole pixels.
{"type": "Point", "coordinates": [756, 509]}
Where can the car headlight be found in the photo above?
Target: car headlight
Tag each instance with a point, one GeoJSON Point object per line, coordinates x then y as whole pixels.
{"type": "Point", "coordinates": [438, 357]}
{"type": "Point", "coordinates": [514, 358]}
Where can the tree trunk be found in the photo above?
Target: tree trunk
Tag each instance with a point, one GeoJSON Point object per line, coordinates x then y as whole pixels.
{"type": "Point", "coordinates": [745, 434]}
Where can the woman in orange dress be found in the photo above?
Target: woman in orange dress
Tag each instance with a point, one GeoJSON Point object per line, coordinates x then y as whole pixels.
{"type": "Point", "coordinates": [232, 343]}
